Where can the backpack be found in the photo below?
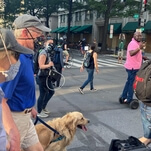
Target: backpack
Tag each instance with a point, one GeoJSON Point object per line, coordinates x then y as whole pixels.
{"type": "Point", "coordinates": [50, 53]}
{"type": "Point", "coordinates": [35, 61]}
{"type": "Point", "coordinates": [142, 82]}
{"type": "Point", "coordinates": [56, 57]}
{"type": "Point", "coordinates": [87, 57]}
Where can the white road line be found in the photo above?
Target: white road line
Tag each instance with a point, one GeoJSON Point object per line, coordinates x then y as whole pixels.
{"type": "Point", "coordinates": [115, 61]}
{"type": "Point", "coordinates": [109, 63]}
{"type": "Point", "coordinates": [101, 63]}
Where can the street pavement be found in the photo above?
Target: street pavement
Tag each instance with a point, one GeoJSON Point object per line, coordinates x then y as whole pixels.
{"type": "Point", "coordinates": [108, 118]}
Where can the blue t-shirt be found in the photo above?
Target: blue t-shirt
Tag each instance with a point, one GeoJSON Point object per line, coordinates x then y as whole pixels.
{"type": "Point", "coordinates": [20, 92]}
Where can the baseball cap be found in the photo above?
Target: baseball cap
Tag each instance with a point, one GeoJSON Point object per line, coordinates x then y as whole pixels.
{"type": "Point", "coordinates": [26, 20]}
{"type": "Point", "coordinates": [11, 43]}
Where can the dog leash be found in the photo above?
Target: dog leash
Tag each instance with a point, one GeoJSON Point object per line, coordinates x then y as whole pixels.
{"type": "Point", "coordinates": [48, 126]}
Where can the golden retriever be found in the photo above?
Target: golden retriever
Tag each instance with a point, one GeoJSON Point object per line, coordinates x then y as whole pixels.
{"type": "Point", "coordinates": [66, 126]}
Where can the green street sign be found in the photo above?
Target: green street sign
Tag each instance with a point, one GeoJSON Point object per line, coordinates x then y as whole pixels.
{"type": "Point", "coordinates": [136, 16]}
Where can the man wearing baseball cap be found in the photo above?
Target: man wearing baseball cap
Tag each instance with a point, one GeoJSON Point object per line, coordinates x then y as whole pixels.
{"type": "Point", "coordinates": [9, 66]}
{"type": "Point", "coordinates": [21, 100]}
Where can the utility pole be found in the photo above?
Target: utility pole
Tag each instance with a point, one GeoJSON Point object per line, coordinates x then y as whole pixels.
{"type": "Point", "coordinates": [142, 20]}
{"type": "Point", "coordinates": [69, 21]}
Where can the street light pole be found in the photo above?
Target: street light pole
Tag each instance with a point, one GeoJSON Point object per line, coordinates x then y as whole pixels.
{"type": "Point", "coordinates": [69, 21]}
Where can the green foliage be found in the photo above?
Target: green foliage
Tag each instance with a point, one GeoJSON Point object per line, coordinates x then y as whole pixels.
{"type": "Point", "coordinates": [118, 9]}
{"type": "Point", "coordinates": [11, 8]}
{"type": "Point", "coordinates": [99, 6]}
{"type": "Point", "coordinates": [39, 8]}
{"type": "Point", "coordinates": [33, 7]}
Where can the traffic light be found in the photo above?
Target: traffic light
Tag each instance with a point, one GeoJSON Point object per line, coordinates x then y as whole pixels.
{"type": "Point", "coordinates": [141, 22]}
{"type": "Point", "coordinates": [144, 4]}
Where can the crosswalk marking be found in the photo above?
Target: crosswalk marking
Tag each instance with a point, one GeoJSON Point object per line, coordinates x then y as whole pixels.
{"type": "Point", "coordinates": [75, 63]}
{"type": "Point", "coordinates": [110, 62]}
{"type": "Point", "coordinates": [101, 63]}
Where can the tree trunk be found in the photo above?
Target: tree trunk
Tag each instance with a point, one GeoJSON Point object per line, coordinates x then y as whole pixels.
{"type": "Point", "coordinates": [47, 21]}
{"type": "Point", "coordinates": [47, 16]}
{"type": "Point", "coordinates": [105, 30]}
{"type": "Point", "coordinates": [69, 21]}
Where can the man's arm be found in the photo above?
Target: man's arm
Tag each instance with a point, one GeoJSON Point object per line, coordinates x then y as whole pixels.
{"type": "Point", "coordinates": [134, 52]}
{"type": "Point", "coordinates": [10, 127]}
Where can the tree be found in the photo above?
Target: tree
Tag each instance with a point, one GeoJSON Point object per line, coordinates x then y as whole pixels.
{"type": "Point", "coordinates": [110, 8]}
{"type": "Point", "coordinates": [9, 11]}
{"type": "Point", "coordinates": [33, 7]}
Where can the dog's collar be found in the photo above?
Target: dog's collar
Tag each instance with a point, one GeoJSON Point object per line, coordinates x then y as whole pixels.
{"type": "Point", "coordinates": [48, 126]}
{"type": "Point", "coordinates": [57, 139]}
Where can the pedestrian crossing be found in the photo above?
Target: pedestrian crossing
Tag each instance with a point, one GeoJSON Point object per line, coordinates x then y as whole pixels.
{"type": "Point", "coordinates": [103, 62]}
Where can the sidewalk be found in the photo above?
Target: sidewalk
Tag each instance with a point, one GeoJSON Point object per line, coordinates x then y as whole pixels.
{"type": "Point", "coordinates": [124, 57]}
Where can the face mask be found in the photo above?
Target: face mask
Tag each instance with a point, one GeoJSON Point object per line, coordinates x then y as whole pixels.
{"type": "Point", "coordinates": [14, 68]}
{"type": "Point", "coordinates": [12, 72]}
{"type": "Point", "coordinates": [39, 43]}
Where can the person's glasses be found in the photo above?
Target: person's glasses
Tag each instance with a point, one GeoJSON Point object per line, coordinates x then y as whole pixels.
{"type": "Point", "coordinates": [35, 30]}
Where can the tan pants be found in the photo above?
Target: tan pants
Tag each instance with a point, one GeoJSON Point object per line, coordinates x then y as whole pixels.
{"type": "Point", "coordinates": [120, 53]}
{"type": "Point", "coordinates": [26, 128]}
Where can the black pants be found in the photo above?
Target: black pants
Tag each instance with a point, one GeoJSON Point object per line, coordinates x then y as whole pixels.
{"type": "Point", "coordinates": [45, 93]}
{"type": "Point", "coordinates": [59, 69]}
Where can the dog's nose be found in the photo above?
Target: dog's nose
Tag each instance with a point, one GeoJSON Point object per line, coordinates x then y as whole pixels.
{"type": "Point", "coordinates": [88, 121]}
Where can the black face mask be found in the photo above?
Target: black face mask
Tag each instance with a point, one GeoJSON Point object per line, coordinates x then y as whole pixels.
{"type": "Point", "coordinates": [39, 43]}
{"type": "Point", "coordinates": [50, 50]}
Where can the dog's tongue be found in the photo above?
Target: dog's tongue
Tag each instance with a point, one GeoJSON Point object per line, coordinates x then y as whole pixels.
{"type": "Point", "coordinates": [84, 128]}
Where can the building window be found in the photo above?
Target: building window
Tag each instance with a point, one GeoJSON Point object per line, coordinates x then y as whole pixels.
{"type": "Point", "coordinates": [98, 15]}
{"type": "Point", "coordinates": [88, 15]}
{"type": "Point", "coordinates": [62, 18]}
{"type": "Point", "coordinates": [78, 16]}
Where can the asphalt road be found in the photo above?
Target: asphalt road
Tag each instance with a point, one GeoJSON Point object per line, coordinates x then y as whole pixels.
{"type": "Point", "coordinates": [108, 118]}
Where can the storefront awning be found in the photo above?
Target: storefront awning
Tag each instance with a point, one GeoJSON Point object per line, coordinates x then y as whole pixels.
{"type": "Point", "coordinates": [57, 29]}
{"type": "Point", "coordinates": [130, 27]}
{"type": "Point", "coordinates": [72, 28]}
{"type": "Point", "coordinates": [84, 29]}
{"type": "Point", "coordinates": [116, 28]}
{"type": "Point", "coordinates": [147, 27]}
{"type": "Point", "coordinates": [63, 30]}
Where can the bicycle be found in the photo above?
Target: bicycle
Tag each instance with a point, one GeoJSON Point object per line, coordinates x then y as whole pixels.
{"type": "Point", "coordinates": [82, 50]}
{"type": "Point", "coordinates": [69, 63]}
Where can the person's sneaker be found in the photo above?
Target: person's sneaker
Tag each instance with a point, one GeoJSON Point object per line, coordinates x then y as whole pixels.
{"type": "Point", "coordinates": [81, 91]}
{"type": "Point", "coordinates": [42, 114]}
{"type": "Point", "coordinates": [126, 101]}
{"type": "Point", "coordinates": [46, 111]}
{"type": "Point", "coordinates": [93, 90]}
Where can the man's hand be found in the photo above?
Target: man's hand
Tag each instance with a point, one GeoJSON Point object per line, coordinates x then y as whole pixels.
{"type": "Point", "coordinates": [33, 113]}
{"type": "Point", "coordinates": [142, 45]}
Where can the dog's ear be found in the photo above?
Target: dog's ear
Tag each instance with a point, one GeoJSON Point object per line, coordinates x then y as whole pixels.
{"type": "Point", "coordinates": [68, 118]}
{"type": "Point", "coordinates": [71, 121]}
